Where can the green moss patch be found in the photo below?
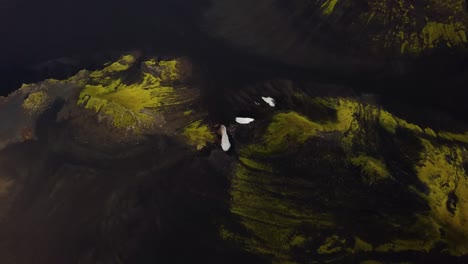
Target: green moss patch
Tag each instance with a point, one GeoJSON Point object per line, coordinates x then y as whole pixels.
{"type": "Point", "coordinates": [198, 135]}
{"type": "Point", "coordinates": [274, 205]}
{"type": "Point", "coordinates": [372, 169]}
{"type": "Point", "coordinates": [130, 105]}
{"type": "Point", "coordinates": [35, 102]}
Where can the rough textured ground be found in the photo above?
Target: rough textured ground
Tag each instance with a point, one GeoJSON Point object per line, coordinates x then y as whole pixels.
{"type": "Point", "coordinates": [123, 165]}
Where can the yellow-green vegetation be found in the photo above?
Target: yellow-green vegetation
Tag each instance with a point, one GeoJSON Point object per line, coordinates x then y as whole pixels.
{"type": "Point", "coordinates": [121, 65]}
{"type": "Point", "coordinates": [260, 198]}
{"type": "Point", "coordinates": [25, 85]}
{"type": "Point", "coordinates": [333, 244]}
{"type": "Point", "coordinates": [298, 241]}
{"type": "Point", "coordinates": [328, 6]}
{"type": "Point", "coordinates": [35, 102]}
{"type": "Point", "coordinates": [401, 27]}
{"type": "Point", "coordinates": [422, 235]}
{"type": "Point", "coordinates": [126, 105]}
{"type": "Point", "coordinates": [412, 27]}
{"type": "Point", "coordinates": [169, 70]}
{"type": "Point", "coordinates": [252, 164]}
{"type": "Point", "coordinates": [226, 234]}
{"type": "Point", "coordinates": [390, 123]}
{"type": "Point", "coordinates": [433, 34]}
{"type": "Point", "coordinates": [430, 132]}
{"type": "Point", "coordinates": [289, 126]}
{"type": "Point", "coordinates": [454, 137]}
{"type": "Point", "coordinates": [266, 203]}
{"type": "Point", "coordinates": [292, 128]}
{"type": "Point", "coordinates": [151, 63]}
{"type": "Point", "coordinates": [442, 170]}
{"type": "Point", "coordinates": [362, 246]}
{"type": "Point", "coordinates": [451, 34]}
{"type": "Point", "coordinates": [336, 244]}
{"type": "Point", "coordinates": [198, 135]}
{"type": "Point", "coordinates": [270, 214]}
{"type": "Point", "coordinates": [372, 169]}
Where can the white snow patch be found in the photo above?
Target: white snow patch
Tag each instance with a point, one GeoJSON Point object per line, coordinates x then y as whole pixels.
{"type": "Point", "coordinates": [244, 120]}
{"type": "Point", "coordinates": [256, 103]}
{"type": "Point", "coordinates": [269, 101]}
{"type": "Point", "coordinates": [225, 144]}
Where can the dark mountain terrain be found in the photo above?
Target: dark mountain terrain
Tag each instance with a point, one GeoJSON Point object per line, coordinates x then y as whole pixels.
{"type": "Point", "coordinates": [112, 143]}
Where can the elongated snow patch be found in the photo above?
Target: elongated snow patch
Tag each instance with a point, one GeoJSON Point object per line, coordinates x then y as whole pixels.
{"type": "Point", "coordinates": [244, 120]}
{"type": "Point", "coordinates": [269, 101]}
{"type": "Point", "coordinates": [225, 144]}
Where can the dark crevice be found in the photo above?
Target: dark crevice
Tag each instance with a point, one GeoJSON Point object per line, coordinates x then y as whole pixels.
{"type": "Point", "coordinates": [452, 201]}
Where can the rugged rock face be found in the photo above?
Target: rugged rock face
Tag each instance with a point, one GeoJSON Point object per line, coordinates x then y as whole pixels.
{"type": "Point", "coordinates": [123, 165]}
{"type": "Point", "coordinates": [340, 34]}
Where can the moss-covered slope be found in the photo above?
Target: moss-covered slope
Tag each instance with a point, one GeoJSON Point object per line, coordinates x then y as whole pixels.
{"type": "Point", "coordinates": [361, 184]}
